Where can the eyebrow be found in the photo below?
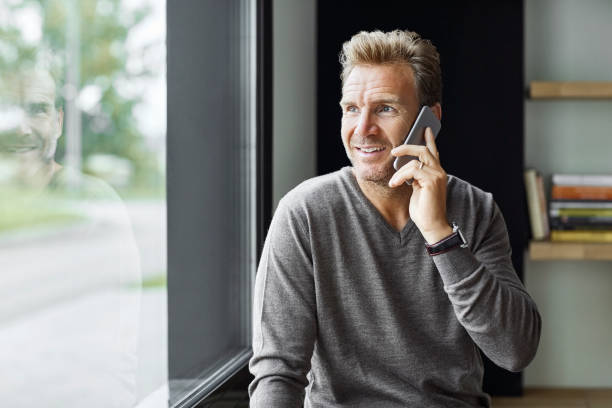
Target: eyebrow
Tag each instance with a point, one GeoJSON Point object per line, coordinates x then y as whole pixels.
{"type": "Point", "coordinates": [387, 100]}
{"type": "Point", "coordinates": [38, 99]}
{"type": "Point", "coordinates": [390, 100]}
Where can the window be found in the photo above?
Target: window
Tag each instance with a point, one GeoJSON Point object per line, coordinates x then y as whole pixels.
{"type": "Point", "coordinates": [217, 190]}
{"type": "Point", "coordinates": [83, 202]}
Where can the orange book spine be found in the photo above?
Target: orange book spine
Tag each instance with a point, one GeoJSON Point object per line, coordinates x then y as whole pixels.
{"type": "Point", "coordinates": [581, 193]}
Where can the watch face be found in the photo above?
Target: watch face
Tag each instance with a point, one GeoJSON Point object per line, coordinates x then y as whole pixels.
{"type": "Point", "coordinates": [458, 231]}
{"type": "Point", "coordinates": [463, 241]}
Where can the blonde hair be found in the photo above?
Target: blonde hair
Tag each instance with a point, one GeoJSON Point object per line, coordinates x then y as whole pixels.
{"type": "Point", "coordinates": [397, 47]}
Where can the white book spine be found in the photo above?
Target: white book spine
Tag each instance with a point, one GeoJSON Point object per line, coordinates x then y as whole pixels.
{"type": "Point", "coordinates": [533, 204]}
{"type": "Point", "coordinates": [557, 205]}
{"type": "Point", "coordinates": [593, 180]}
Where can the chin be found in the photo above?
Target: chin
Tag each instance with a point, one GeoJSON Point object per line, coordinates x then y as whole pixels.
{"type": "Point", "coordinates": [375, 174]}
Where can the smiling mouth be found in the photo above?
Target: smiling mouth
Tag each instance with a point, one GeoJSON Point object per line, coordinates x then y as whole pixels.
{"type": "Point", "coordinates": [19, 148]}
{"type": "Point", "coordinates": [370, 149]}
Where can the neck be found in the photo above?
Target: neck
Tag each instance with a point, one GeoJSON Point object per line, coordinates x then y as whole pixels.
{"type": "Point", "coordinates": [392, 203]}
{"type": "Point", "coordinates": [41, 176]}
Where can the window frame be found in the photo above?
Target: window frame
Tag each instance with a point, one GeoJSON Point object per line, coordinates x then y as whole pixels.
{"type": "Point", "coordinates": [261, 20]}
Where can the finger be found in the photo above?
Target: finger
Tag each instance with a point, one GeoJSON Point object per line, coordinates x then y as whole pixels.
{"type": "Point", "coordinates": [426, 173]}
{"type": "Point", "coordinates": [422, 152]}
{"type": "Point", "coordinates": [413, 170]}
{"type": "Point", "coordinates": [430, 141]}
{"type": "Point", "coordinates": [404, 173]}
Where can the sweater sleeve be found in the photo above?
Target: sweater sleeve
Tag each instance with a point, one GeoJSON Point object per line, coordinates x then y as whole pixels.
{"type": "Point", "coordinates": [488, 298]}
{"type": "Point", "coordinates": [284, 315]}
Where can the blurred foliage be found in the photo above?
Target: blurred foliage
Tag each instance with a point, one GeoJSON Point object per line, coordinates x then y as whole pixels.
{"type": "Point", "coordinates": [25, 210]}
{"type": "Point", "coordinates": [156, 281]}
{"type": "Point", "coordinates": [110, 126]}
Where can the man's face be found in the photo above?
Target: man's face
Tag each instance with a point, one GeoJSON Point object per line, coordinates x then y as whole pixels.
{"type": "Point", "coordinates": [379, 105]}
{"type": "Point", "coordinates": [33, 124]}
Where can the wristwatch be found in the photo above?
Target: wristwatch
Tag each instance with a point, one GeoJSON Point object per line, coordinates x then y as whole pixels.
{"type": "Point", "coordinates": [454, 240]}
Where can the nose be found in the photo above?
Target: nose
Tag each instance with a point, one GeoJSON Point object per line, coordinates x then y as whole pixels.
{"type": "Point", "coordinates": [366, 125]}
{"type": "Point", "coordinates": [11, 119]}
{"type": "Point", "coordinates": [24, 127]}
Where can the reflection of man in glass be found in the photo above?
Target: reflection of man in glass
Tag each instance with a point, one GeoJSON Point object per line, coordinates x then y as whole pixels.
{"type": "Point", "coordinates": [32, 126]}
{"type": "Point", "coordinates": [71, 293]}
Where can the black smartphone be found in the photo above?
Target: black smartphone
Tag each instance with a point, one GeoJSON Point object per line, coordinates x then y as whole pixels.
{"type": "Point", "coordinates": [416, 136]}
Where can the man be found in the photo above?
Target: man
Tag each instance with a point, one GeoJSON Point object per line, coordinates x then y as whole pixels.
{"type": "Point", "coordinates": [366, 293]}
{"type": "Point", "coordinates": [70, 294]}
{"type": "Point", "coordinates": [31, 129]}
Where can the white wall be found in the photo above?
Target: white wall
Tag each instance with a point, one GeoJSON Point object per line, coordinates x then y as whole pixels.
{"type": "Point", "coordinates": [570, 40]}
{"type": "Point", "coordinates": [295, 64]}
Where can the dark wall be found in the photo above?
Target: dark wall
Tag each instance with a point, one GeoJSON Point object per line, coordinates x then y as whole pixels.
{"type": "Point", "coordinates": [481, 141]}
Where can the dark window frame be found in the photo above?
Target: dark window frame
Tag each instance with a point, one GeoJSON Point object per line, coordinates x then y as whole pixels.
{"type": "Point", "coordinates": [183, 52]}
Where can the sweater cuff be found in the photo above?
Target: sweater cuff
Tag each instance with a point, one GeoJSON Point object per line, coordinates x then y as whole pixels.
{"type": "Point", "coordinates": [455, 265]}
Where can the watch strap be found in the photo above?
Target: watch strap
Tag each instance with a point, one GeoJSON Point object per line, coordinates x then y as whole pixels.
{"type": "Point", "coordinates": [453, 241]}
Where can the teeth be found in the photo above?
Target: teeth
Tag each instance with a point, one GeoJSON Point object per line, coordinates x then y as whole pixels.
{"type": "Point", "coordinates": [372, 149]}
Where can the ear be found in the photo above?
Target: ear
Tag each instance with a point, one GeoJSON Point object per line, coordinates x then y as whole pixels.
{"type": "Point", "coordinates": [60, 122]}
{"type": "Point", "coordinates": [437, 110]}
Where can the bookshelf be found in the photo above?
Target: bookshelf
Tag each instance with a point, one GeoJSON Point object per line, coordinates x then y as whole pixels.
{"type": "Point", "coordinates": [550, 251]}
{"type": "Point", "coordinates": [579, 91]}
{"type": "Point", "coordinates": [569, 132]}
{"type": "Point", "coordinates": [570, 90]}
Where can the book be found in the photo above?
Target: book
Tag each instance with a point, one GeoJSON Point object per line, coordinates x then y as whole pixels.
{"type": "Point", "coordinates": [542, 204]}
{"type": "Point", "coordinates": [536, 215]}
{"type": "Point", "coordinates": [558, 204]}
{"type": "Point", "coordinates": [581, 236]}
{"type": "Point", "coordinates": [581, 212]}
{"type": "Point", "coordinates": [581, 193]}
{"type": "Point", "coordinates": [573, 223]}
{"type": "Point", "coordinates": [601, 180]}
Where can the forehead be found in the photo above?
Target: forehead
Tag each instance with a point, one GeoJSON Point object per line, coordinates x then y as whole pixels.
{"type": "Point", "coordinates": [365, 81]}
{"type": "Point", "coordinates": [32, 86]}
{"type": "Point", "coordinates": [39, 84]}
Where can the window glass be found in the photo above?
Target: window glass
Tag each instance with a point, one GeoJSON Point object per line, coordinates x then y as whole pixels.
{"type": "Point", "coordinates": [83, 320]}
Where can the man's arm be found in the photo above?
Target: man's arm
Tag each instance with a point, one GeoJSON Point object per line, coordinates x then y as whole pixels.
{"type": "Point", "coordinates": [284, 315]}
{"type": "Point", "coordinates": [488, 298]}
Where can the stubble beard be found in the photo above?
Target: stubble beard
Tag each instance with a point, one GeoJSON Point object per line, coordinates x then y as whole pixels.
{"type": "Point", "coordinates": [379, 175]}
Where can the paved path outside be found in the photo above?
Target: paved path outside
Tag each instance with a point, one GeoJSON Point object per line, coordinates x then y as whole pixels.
{"type": "Point", "coordinates": [60, 356]}
{"type": "Point", "coordinates": [61, 297]}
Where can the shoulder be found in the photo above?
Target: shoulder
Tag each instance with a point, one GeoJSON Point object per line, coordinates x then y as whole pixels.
{"type": "Point", "coordinates": [468, 204]}
{"type": "Point", "coordinates": [83, 186]}
{"type": "Point", "coordinates": [315, 200]}
{"type": "Point", "coordinates": [315, 192]}
{"type": "Point", "coordinates": [92, 196]}
{"type": "Point", "coordinates": [467, 196]}
{"type": "Point", "coordinates": [472, 208]}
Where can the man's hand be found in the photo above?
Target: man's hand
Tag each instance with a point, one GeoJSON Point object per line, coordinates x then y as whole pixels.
{"type": "Point", "coordinates": [428, 200]}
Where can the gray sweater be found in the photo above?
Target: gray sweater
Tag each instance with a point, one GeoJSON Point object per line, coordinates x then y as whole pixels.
{"type": "Point", "coordinates": [349, 312]}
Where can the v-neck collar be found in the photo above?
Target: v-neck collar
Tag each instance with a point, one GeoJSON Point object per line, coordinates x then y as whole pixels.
{"type": "Point", "coordinates": [399, 237]}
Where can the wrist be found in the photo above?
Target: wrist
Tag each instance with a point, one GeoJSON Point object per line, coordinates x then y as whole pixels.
{"type": "Point", "coordinates": [454, 240]}
{"type": "Point", "coordinates": [437, 234]}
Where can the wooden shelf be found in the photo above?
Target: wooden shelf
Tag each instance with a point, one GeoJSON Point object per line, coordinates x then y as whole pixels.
{"type": "Point", "coordinates": [546, 250]}
{"type": "Point", "coordinates": [570, 90]}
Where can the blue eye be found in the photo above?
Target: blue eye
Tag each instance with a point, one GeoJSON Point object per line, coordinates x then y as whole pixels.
{"type": "Point", "coordinates": [386, 108]}
{"type": "Point", "coordinates": [352, 109]}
